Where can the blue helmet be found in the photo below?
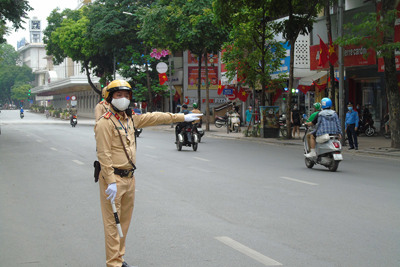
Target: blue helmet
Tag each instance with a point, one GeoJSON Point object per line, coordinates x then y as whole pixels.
{"type": "Point", "coordinates": [326, 103]}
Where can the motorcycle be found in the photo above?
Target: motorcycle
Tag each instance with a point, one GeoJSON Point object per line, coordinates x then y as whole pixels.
{"type": "Point", "coordinates": [366, 126]}
{"type": "Point", "coordinates": [74, 120]}
{"type": "Point", "coordinates": [21, 115]}
{"type": "Point", "coordinates": [329, 153]}
{"type": "Point", "coordinates": [187, 136]}
{"type": "Point", "coordinates": [221, 121]}
{"type": "Point", "coordinates": [233, 122]}
{"type": "Point", "coordinates": [283, 126]}
{"type": "Point", "coordinates": [199, 130]}
{"type": "Point", "coordinates": [138, 132]}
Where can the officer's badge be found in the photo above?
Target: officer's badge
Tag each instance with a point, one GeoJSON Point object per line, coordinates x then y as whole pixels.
{"type": "Point", "coordinates": [107, 115]}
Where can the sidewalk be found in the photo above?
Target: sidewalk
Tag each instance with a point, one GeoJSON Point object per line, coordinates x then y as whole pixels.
{"type": "Point", "coordinates": [376, 145]}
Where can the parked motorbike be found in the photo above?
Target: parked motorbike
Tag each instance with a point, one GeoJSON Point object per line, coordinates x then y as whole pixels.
{"type": "Point", "coordinates": [187, 136]}
{"type": "Point", "coordinates": [221, 121]}
{"type": "Point", "coordinates": [283, 126]}
{"type": "Point", "coordinates": [74, 120]}
{"type": "Point", "coordinates": [21, 115]}
{"type": "Point", "coordinates": [366, 126]}
{"type": "Point", "coordinates": [199, 130]}
{"type": "Point", "coordinates": [329, 153]}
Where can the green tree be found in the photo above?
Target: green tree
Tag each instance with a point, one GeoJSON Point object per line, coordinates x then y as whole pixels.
{"type": "Point", "coordinates": [8, 55]}
{"type": "Point", "coordinates": [14, 12]}
{"type": "Point", "coordinates": [376, 31]}
{"type": "Point", "coordinates": [184, 25]}
{"type": "Point", "coordinates": [10, 76]}
{"type": "Point", "coordinates": [20, 91]}
{"type": "Point", "coordinates": [252, 53]}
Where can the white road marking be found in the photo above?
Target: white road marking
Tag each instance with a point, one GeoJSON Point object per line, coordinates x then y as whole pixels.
{"type": "Point", "coordinates": [151, 147]}
{"type": "Point", "coordinates": [53, 148]}
{"type": "Point", "coordinates": [201, 159]}
{"type": "Point", "coordinates": [39, 141]}
{"type": "Point", "coordinates": [78, 162]}
{"type": "Point", "coordinates": [248, 251]}
{"type": "Point", "coordinates": [297, 180]}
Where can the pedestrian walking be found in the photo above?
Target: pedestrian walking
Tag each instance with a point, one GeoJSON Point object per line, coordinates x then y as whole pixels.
{"type": "Point", "coordinates": [351, 126]}
{"type": "Point", "coordinates": [248, 115]}
{"type": "Point", "coordinates": [116, 152]}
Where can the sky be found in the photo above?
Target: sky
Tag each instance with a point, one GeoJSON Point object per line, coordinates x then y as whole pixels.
{"type": "Point", "coordinates": [41, 10]}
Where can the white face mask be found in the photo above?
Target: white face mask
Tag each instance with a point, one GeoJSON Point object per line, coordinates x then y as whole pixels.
{"type": "Point", "coordinates": [120, 103]}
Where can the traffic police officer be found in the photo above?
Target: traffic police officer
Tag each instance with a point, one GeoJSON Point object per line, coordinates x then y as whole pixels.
{"type": "Point", "coordinates": [116, 151]}
{"type": "Point", "coordinates": [101, 107]}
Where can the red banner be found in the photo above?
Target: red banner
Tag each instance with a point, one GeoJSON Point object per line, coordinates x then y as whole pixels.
{"type": "Point", "coordinates": [353, 56]}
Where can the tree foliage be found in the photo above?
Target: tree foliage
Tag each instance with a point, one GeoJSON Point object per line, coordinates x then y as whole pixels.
{"type": "Point", "coordinates": [14, 12]}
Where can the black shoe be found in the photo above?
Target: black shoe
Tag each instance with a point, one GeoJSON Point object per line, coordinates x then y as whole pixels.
{"type": "Point", "coordinates": [351, 148]}
{"type": "Point", "coordinates": [356, 148]}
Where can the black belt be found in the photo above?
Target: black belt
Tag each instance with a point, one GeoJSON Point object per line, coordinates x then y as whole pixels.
{"type": "Point", "coordinates": [124, 173]}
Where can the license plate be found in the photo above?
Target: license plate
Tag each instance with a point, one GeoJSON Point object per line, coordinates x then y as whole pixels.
{"type": "Point", "coordinates": [337, 156]}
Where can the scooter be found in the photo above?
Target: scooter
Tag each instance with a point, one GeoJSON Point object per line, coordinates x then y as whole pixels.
{"type": "Point", "coordinates": [187, 136]}
{"type": "Point", "coordinates": [74, 120]}
{"type": "Point", "coordinates": [329, 153]}
{"type": "Point", "coordinates": [21, 115]}
{"type": "Point", "coordinates": [233, 122]}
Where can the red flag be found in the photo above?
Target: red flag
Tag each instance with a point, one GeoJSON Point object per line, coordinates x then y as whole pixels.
{"type": "Point", "coordinates": [276, 95]}
{"type": "Point", "coordinates": [333, 57]}
{"type": "Point", "coordinates": [323, 53]}
{"type": "Point", "coordinates": [321, 87]}
{"type": "Point", "coordinates": [234, 94]}
{"type": "Point", "coordinates": [163, 78]}
{"type": "Point", "coordinates": [243, 94]}
{"type": "Point", "coordinates": [220, 88]}
{"type": "Point", "coordinates": [176, 96]}
{"type": "Point", "coordinates": [304, 88]}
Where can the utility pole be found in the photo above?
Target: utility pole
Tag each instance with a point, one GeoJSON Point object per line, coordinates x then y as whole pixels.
{"type": "Point", "coordinates": [170, 86]}
{"type": "Point", "coordinates": [341, 72]}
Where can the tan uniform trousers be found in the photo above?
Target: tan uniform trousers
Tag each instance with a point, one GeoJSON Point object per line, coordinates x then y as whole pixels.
{"type": "Point", "coordinates": [124, 202]}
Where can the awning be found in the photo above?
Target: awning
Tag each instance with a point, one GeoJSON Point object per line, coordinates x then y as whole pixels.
{"type": "Point", "coordinates": [307, 81]}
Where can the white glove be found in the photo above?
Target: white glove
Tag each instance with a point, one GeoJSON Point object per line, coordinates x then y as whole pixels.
{"type": "Point", "coordinates": [111, 191]}
{"type": "Point", "coordinates": [192, 116]}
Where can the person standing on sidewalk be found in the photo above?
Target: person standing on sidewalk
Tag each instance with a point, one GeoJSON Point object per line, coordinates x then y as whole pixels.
{"type": "Point", "coordinates": [296, 121]}
{"type": "Point", "coordinates": [116, 151]}
{"type": "Point", "coordinates": [248, 115]}
{"type": "Point", "coordinates": [101, 107]}
{"type": "Point", "coordinates": [351, 126]}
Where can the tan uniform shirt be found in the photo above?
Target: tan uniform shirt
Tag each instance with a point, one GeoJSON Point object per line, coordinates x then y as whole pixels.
{"type": "Point", "coordinates": [110, 151]}
{"type": "Point", "coordinates": [100, 109]}
{"type": "Point", "coordinates": [195, 110]}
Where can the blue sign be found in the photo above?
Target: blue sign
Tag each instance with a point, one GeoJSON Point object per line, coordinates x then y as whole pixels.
{"type": "Point", "coordinates": [285, 61]}
{"type": "Point", "coordinates": [227, 92]}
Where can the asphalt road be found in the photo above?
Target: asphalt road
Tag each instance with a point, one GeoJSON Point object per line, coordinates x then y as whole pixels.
{"type": "Point", "coordinates": [232, 203]}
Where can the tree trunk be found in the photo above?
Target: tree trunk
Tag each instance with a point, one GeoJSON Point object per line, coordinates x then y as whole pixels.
{"type": "Point", "coordinates": [97, 91]}
{"type": "Point", "coordinates": [199, 81]}
{"type": "Point", "coordinates": [331, 89]}
{"type": "Point", "coordinates": [149, 94]}
{"type": "Point", "coordinates": [207, 94]}
{"type": "Point", "coordinates": [392, 88]}
{"type": "Point", "coordinates": [289, 96]}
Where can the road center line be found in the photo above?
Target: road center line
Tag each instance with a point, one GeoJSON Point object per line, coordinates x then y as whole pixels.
{"type": "Point", "coordinates": [201, 159]}
{"type": "Point", "coordinates": [151, 147]}
{"type": "Point", "coordinates": [53, 148]}
{"type": "Point", "coordinates": [150, 156]}
{"type": "Point", "coordinates": [248, 251]}
{"type": "Point", "coordinates": [297, 180]}
{"type": "Point", "coordinates": [78, 162]}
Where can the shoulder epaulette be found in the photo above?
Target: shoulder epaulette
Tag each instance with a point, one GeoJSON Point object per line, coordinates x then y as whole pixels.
{"type": "Point", "coordinates": [107, 115]}
{"type": "Point", "coordinates": [101, 102]}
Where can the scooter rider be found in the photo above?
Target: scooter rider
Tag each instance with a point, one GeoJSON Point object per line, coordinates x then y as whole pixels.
{"type": "Point", "coordinates": [317, 108]}
{"type": "Point", "coordinates": [327, 122]}
{"type": "Point", "coordinates": [116, 151]}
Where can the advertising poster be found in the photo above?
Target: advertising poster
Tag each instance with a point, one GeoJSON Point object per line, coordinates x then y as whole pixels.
{"type": "Point", "coordinates": [193, 75]}
{"type": "Point", "coordinates": [270, 116]}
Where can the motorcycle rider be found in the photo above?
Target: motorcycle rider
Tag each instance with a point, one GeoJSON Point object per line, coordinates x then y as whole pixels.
{"type": "Point", "coordinates": [317, 108]}
{"type": "Point", "coordinates": [21, 111]}
{"type": "Point", "coordinates": [327, 122]}
{"type": "Point", "coordinates": [117, 160]}
{"type": "Point", "coordinates": [197, 111]}
{"type": "Point", "coordinates": [351, 125]}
